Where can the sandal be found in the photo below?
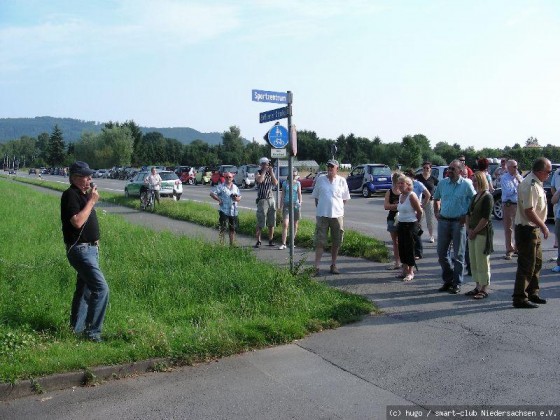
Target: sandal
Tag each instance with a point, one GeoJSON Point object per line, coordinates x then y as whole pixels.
{"type": "Point", "coordinates": [481, 295]}
{"type": "Point", "coordinates": [408, 278]}
{"type": "Point", "coordinates": [473, 292]}
{"type": "Point", "coordinates": [400, 276]}
{"type": "Point", "coordinates": [394, 267]}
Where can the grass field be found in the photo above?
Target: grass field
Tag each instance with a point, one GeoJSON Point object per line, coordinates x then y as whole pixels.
{"type": "Point", "coordinates": [217, 302]}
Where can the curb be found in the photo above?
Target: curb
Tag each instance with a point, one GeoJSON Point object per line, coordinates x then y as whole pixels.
{"type": "Point", "coordinates": [89, 377]}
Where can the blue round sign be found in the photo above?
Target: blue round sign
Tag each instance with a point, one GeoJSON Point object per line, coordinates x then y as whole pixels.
{"type": "Point", "coordinates": [278, 137]}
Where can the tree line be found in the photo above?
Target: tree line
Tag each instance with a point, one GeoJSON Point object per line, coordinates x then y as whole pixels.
{"type": "Point", "coordinates": [124, 144]}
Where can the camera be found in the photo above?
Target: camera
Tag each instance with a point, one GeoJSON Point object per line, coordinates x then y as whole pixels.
{"type": "Point", "coordinates": [92, 185]}
{"type": "Point", "coordinates": [234, 196]}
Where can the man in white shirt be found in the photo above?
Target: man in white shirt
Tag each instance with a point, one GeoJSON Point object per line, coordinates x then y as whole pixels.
{"type": "Point", "coordinates": [330, 194]}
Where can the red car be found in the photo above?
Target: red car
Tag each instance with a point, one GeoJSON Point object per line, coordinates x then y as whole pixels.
{"type": "Point", "coordinates": [218, 175]}
{"type": "Point", "coordinates": [308, 182]}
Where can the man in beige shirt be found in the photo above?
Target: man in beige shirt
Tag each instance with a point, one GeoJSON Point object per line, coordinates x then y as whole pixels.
{"type": "Point", "coordinates": [530, 221]}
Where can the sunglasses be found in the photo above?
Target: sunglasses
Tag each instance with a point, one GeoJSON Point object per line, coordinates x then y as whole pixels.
{"type": "Point", "coordinates": [229, 177]}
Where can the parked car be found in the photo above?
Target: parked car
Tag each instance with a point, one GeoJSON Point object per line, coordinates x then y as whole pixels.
{"type": "Point", "coordinates": [497, 194]}
{"type": "Point", "coordinates": [218, 175]}
{"type": "Point", "coordinates": [170, 185]}
{"type": "Point", "coordinates": [308, 183]}
{"type": "Point", "coordinates": [100, 173]}
{"type": "Point", "coordinates": [245, 176]}
{"type": "Point", "coordinates": [186, 174]}
{"type": "Point", "coordinates": [203, 175]}
{"type": "Point", "coordinates": [438, 172]}
{"type": "Point", "coordinates": [32, 171]}
{"type": "Point", "coordinates": [369, 178]}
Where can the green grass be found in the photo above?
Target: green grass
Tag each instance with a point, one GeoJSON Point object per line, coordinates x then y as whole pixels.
{"type": "Point", "coordinates": [217, 302]}
{"type": "Point", "coordinates": [355, 244]}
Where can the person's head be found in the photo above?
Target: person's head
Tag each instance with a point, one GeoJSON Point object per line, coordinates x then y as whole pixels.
{"type": "Point", "coordinates": [511, 166]}
{"type": "Point", "coordinates": [404, 184]}
{"type": "Point", "coordinates": [542, 168]}
{"type": "Point", "coordinates": [395, 178]}
{"type": "Point", "coordinates": [295, 174]}
{"type": "Point", "coordinates": [264, 162]}
{"type": "Point", "coordinates": [427, 167]}
{"type": "Point", "coordinates": [455, 169]}
{"type": "Point", "coordinates": [228, 177]}
{"type": "Point", "coordinates": [80, 175]}
{"type": "Point", "coordinates": [503, 162]}
{"type": "Point", "coordinates": [482, 164]}
{"type": "Point", "coordinates": [409, 172]}
{"type": "Point", "coordinates": [332, 167]}
{"type": "Point", "coordinates": [462, 159]}
{"type": "Point", "coordinates": [480, 182]}
{"type": "Point", "coordinates": [154, 170]}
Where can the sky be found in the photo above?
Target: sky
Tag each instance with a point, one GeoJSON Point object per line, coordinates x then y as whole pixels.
{"type": "Point", "coordinates": [481, 73]}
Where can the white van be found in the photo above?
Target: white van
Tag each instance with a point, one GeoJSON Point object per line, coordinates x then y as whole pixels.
{"type": "Point", "coordinates": [245, 176]}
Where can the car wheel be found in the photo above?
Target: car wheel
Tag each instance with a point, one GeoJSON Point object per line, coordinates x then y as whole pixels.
{"type": "Point", "coordinates": [177, 197]}
{"type": "Point", "coordinates": [126, 193]}
{"type": "Point", "coordinates": [366, 192]}
{"type": "Point", "coordinates": [497, 209]}
{"type": "Point", "coordinates": [243, 184]}
{"type": "Point", "coordinates": [190, 181]}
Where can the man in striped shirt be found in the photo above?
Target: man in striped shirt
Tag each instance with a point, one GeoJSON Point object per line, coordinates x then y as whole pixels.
{"type": "Point", "coordinates": [266, 206]}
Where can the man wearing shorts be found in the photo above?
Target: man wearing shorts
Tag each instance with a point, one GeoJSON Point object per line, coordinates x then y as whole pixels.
{"type": "Point", "coordinates": [227, 195]}
{"type": "Point", "coordinates": [266, 207]}
{"type": "Point", "coordinates": [330, 194]}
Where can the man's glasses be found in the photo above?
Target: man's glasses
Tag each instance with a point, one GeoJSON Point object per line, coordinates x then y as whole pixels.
{"type": "Point", "coordinates": [229, 177]}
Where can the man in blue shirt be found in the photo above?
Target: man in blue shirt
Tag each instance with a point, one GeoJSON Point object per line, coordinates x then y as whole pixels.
{"type": "Point", "coordinates": [227, 195]}
{"type": "Point", "coordinates": [451, 203]}
{"type": "Point", "coordinates": [509, 182]}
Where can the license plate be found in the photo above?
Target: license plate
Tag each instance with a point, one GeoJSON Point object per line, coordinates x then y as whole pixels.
{"type": "Point", "coordinates": [382, 179]}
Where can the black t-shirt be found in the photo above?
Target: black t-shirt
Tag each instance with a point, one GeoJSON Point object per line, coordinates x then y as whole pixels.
{"type": "Point", "coordinates": [71, 203]}
{"type": "Point", "coordinates": [264, 189]}
{"type": "Point", "coordinates": [429, 183]}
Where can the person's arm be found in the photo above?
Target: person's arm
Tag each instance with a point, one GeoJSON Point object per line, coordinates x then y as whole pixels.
{"type": "Point", "coordinates": [425, 196]}
{"type": "Point", "coordinates": [415, 203]}
{"type": "Point", "coordinates": [282, 194]}
{"type": "Point", "coordinates": [259, 178]}
{"type": "Point", "coordinates": [532, 216]}
{"type": "Point", "coordinates": [555, 197]}
{"type": "Point", "coordinates": [300, 197]}
{"type": "Point", "coordinates": [272, 176]}
{"type": "Point", "coordinates": [216, 197]}
{"type": "Point", "coordinates": [80, 218]}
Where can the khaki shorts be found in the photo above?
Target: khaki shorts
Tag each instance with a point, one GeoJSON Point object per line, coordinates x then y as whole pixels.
{"type": "Point", "coordinates": [323, 225]}
{"type": "Point", "coordinates": [266, 213]}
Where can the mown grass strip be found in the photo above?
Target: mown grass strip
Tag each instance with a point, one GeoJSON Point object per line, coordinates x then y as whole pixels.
{"type": "Point", "coordinates": [216, 302]}
{"type": "Point", "coordinates": [355, 244]}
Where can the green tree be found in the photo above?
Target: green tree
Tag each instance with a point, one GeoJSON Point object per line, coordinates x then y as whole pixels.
{"type": "Point", "coordinates": [411, 153]}
{"type": "Point", "coordinates": [55, 148]}
{"type": "Point", "coordinates": [116, 147]}
{"type": "Point", "coordinates": [232, 150]}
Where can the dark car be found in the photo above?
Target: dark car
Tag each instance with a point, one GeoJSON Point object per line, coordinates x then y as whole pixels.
{"type": "Point", "coordinates": [32, 171]}
{"type": "Point", "coordinates": [369, 178]}
{"type": "Point", "coordinates": [497, 194]}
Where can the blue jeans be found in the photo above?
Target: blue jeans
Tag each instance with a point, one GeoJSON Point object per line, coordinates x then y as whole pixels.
{"type": "Point", "coordinates": [452, 269]}
{"type": "Point", "coordinates": [92, 292]}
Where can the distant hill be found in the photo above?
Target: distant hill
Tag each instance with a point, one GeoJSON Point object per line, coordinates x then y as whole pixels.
{"type": "Point", "coordinates": [72, 129]}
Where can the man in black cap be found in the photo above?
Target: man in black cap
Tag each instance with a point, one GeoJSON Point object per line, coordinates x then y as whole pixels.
{"type": "Point", "coordinates": [81, 236]}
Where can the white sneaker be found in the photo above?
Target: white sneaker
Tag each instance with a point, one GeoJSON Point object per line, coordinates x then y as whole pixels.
{"type": "Point", "coordinates": [282, 246]}
{"type": "Point", "coordinates": [431, 240]}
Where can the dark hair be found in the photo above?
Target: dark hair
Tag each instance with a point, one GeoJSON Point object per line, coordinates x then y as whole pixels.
{"type": "Point", "coordinates": [409, 172]}
{"type": "Point", "coordinates": [427, 163]}
{"type": "Point", "coordinates": [482, 164]}
{"type": "Point", "coordinates": [540, 164]}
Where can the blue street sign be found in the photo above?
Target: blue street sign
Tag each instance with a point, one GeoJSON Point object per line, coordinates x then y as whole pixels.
{"type": "Point", "coordinates": [275, 114]}
{"type": "Point", "coordinates": [278, 137]}
{"type": "Point", "coordinates": [267, 96]}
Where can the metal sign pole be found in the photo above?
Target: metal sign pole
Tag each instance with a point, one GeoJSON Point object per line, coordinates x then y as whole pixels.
{"type": "Point", "coordinates": [290, 183]}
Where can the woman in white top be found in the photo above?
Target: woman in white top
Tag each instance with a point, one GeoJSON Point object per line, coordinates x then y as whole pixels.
{"type": "Point", "coordinates": [410, 213]}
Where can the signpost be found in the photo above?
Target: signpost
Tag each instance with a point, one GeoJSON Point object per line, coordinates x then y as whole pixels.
{"type": "Point", "coordinates": [274, 114]}
{"type": "Point", "coordinates": [268, 96]}
{"type": "Point", "coordinates": [279, 137]}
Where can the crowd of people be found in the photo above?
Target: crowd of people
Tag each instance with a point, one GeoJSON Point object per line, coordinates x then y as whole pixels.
{"type": "Point", "coordinates": [461, 203]}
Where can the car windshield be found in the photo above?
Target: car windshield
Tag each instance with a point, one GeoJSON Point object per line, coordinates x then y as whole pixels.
{"type": "Point", "coordinates": [229, 168]}
{"type": "Point", "coordinates": [252, 169]}
{"type": "Point", "coordinates": [168, 176]}
{"type": "Point", "coordinates": [381, 170]}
